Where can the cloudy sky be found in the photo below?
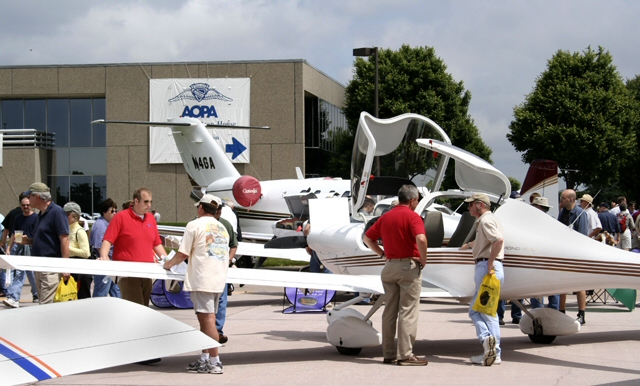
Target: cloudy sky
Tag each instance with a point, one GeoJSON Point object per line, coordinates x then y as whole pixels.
{"type": "Point", "coordinates": [497, 48]}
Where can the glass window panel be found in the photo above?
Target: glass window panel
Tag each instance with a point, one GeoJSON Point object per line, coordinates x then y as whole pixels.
{"type": "Point", "coordinates": [62, 161]}
{"type": "Point", "coordinates": [80, 122]}
{"type": "Point", "coordinates": [12, 114]}
{"type": "Point", "coordinates": [81, 192]}
{"type": "Point", "coordinates": [87, 160]}
{"type": "Point", "coordinates": [35, 114]}
{"type": "Point", "coordinates": [99, 131]}
{"type": "Point", "coordinates": [59, 189]}
{"type": "Point", "coordinates": [58, 120]}
{"type": "Point", "coordinates": [99, 192]}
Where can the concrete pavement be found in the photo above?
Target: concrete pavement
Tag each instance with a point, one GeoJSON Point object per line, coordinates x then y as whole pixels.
{"type": "Point", "coordinates": [267, 347]}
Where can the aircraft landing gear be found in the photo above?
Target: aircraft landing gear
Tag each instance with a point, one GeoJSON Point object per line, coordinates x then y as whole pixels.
{"type": "Point", "coordinates": [348, 350]}
{"type": "Point", "coordinates": [542, 339]}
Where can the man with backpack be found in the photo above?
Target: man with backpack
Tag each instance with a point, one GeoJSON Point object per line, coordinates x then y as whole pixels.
{"type": "Point", "coordinates": [626, 227]}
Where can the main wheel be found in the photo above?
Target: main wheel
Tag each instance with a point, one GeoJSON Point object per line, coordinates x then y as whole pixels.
{"type": "Point", "coordinates": [348, 350]}
{"type": "Point", "coordinates": [542, 339]}
{"type": "Point", "coordinates": [244, 262]}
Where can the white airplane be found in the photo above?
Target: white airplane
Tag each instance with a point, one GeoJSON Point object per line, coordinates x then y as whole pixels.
{"type": "Point", "coordinates": [260, 203]}
{"type": "Point", "coordinates": [542, 256]}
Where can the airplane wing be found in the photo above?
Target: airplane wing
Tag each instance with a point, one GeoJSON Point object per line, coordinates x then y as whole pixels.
{"type": "Point", "coordinates": [266, 277]}
{"type": "Point", "coordinates": [254, 249]}
{"type": "Point", "coordinates": [87, 335]}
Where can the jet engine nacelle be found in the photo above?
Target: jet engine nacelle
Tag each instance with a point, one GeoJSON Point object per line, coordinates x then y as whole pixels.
{"type": "Point", "coordinates": [247, 191]}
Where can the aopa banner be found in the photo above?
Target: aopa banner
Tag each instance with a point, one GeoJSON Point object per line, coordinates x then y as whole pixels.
{"type": "Point", "coordinates": [219, 101]}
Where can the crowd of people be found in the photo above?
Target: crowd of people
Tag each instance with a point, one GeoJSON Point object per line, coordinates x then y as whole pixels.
{"type": "Point", "coordinates": [210, 242]}
{"type": "Point", "coordinates": [131, 234]}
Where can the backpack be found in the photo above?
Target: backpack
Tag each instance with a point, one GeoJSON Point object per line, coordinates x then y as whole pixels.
{"type": "Point", "coordinates": [622, 219]}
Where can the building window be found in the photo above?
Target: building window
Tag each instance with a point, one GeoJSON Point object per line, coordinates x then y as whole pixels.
{"type": "Point", "coordinates": [325, 124]}
{"type": "Point", "coordinates": [79, 170]}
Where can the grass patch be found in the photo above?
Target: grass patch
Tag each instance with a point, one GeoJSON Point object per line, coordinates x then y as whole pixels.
{"type": "Point", "coordinates": [173, 224]}
{"type": "Point", "coordinates": [275, 262]}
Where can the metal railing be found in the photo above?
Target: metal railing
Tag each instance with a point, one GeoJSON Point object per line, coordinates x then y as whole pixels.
{"type": "Point", "coordinates": [16, 138]}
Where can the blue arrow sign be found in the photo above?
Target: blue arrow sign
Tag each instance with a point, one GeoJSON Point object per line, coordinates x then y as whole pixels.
{"type": "Point", "coordinates": [236, 148]}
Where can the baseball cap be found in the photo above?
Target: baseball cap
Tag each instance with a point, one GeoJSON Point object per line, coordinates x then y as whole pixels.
{"type": "Point", "coordinates": [479, 197]}
{"type": "Point", "coordinates": [604, 204]}
{"type": "Point", "coordinates": [38, 187]}
{"type": "Point", "coordinates": [209, 199]}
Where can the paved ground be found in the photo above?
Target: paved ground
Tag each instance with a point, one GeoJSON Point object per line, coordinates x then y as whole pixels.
{"type": "Point", "coordinates": [267, 347]}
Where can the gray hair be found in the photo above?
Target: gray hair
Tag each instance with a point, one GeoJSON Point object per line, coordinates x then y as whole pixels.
{"type": "Point", "coordinates": [407, 193]}
{"type": "Point", "coordinates": [45, 196]}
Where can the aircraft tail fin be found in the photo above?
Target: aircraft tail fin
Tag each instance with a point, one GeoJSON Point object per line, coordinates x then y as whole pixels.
{"type": "Point", "coordinates": [202, 157]}
{"type": "Point", "coordinates": [542, 179]}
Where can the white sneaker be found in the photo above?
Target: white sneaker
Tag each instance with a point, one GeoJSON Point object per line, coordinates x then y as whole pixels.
{"type": "Point", "coordinates": [489, 345]}
{"type": "Point", "coordinates": [216, 368]}
{"type": "Point", "coordinates": [11, 303]}
{"type": "Point", "coordinates": [479, 360]}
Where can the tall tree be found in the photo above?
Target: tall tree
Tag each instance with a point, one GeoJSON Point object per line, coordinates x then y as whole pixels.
{"type": "Point", "coordinates": [629, 183]}
{"type": "Point", "coordinates": [413, 80]}
{"type": "Point", "coordinates": [579, 114]}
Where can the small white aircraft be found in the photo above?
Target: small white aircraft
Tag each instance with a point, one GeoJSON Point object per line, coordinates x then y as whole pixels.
{"type": "Point", "coordinates": [260, 203]}
{"type": "Point", "coordinates": [542, 256]}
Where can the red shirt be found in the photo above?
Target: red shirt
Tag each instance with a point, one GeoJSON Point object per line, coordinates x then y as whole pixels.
{"type": "Point", "coordinates": [398, 229]}
{"type": "Point", "coordinates": [132, 237]}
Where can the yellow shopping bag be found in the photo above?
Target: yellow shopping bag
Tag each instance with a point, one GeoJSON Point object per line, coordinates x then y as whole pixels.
{"type": "Point", "coordinates": [488, 296]}
{"type": "Point", "coordinates": [66, 291]}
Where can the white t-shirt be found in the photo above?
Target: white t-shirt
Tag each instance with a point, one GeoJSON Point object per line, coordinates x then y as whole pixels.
{"type": "Point", "coordinates": [206, 242]}
{"type": "Point", "coordinates": [594, 221]}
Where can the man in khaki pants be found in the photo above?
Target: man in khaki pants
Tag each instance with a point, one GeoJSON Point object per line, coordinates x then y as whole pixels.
{"type": "Point", "coordinates": [405, 254]}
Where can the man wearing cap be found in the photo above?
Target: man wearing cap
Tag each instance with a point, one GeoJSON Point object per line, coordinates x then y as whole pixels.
{"type": "Point", "coordinates": [134, 236]}
{"type": "Point", "coordinates": [404, 254]}
{"type": "Point", "coordinates": [541, 203]}
{"type": "Point", "coordinates": [571, 215]}
{"type": "Point", "coordinates": [488, 253]}
{"type": "Point", "coordinates": [594, 225]}
{"type": "Point", "coordinates": [50, 238]}
{"type": "Point", "coordinates": [206, 244]}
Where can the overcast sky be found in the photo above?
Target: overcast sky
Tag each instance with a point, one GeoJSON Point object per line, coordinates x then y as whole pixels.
{"type": "Point", "coordinates": [497, 48]}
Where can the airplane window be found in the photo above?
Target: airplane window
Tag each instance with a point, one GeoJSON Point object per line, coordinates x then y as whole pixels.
{"type": "Point", "coordinates": [317, 192]}
{"type": "Point", "coordinates": [346, 194]}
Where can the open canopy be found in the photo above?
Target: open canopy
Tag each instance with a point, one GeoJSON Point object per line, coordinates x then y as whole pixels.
{"type": "Point", "coordinates": [472, 172]}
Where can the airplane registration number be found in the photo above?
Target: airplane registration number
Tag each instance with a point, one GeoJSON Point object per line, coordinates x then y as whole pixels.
{"type": "Point", "coordinates": [203, 163]}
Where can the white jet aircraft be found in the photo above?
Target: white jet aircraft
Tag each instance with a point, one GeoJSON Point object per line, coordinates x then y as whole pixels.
{"type": "Point", "coordinates": [260, 203]}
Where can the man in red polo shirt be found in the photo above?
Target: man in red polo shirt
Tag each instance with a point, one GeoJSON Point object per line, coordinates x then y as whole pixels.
{"type": "Point", "coordinates": [405, 254]}
{"type": "Point", "coordinates": [134, 236]}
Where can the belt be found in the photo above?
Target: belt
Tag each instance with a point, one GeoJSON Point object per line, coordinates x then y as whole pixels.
{"type": "Point", "coordinates": [484, 259]}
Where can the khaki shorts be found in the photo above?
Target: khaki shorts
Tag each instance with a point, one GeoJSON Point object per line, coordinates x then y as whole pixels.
{"type": "Point", "coordinates": [205, 302]}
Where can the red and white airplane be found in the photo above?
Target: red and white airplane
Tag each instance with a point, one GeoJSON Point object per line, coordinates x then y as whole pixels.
{"type": "Point", "coordinates": [542, 256]}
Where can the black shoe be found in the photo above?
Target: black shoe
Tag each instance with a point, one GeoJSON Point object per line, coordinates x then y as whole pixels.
{"type": "Point", "coordinates": [150, 361]}
{"type": "Point", "coordinates": [515, 321]}
{"type": "Point", "coordinates": [501, 322]}
{"type": "Point", "coordinates": [222, 339]}
{"type": "Point", "coordinates": [581, 319]}
{"type": "Point", "coordinates": [390, 361]}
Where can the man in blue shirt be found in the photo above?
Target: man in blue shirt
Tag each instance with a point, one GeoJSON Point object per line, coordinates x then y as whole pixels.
{"type": "Point", "coordinates": [571, 215]}
{"type": "Point", "coordinates": [50, 238]}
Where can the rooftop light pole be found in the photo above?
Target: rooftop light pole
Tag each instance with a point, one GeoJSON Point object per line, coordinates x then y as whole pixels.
{"type": "Point", "coordinates": [371, 51]}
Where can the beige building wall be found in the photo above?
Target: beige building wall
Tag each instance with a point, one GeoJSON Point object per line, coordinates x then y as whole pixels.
{"type": "Point", "coordinates": [277, 100]}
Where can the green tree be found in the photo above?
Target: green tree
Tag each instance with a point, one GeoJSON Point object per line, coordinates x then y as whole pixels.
{"type": "Point", "coordinates": [515, 184]}
{"type": "Point", "coordinates": [412, 80]}
{"type": "Point", "coordinates": [631, 185]}
{"type": "Point", "coordinates": [579, 114]}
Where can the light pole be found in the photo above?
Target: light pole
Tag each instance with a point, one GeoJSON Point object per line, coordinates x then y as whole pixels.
{"type": "Point", "coordinates": [371, 51]}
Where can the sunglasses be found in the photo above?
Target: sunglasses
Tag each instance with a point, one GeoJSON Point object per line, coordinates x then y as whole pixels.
{"type": "Point", "coordinates": [114, 211]}
{"type": "Point", "coordinates": [25, 205]}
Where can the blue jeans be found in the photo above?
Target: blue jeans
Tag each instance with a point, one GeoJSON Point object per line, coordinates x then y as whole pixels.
{"type": "Point", "coordinates": [315, 263]}
{"type": "Point", "coordinates": [486, 325]}
{"type": "Point", "coordinates": [221, 315]}
{"type": "Point", "coordinates": [516, 312]}
{"type": "Point", "coordinates": [554, 302]}
{"type": "Point", "coordinates": [103, 286]}
{"type": "Point", "coordinates": [14, 290]}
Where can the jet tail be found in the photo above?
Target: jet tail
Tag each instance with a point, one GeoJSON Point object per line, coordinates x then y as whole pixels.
{"type": "Point", "coordinates": [202, 157]}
